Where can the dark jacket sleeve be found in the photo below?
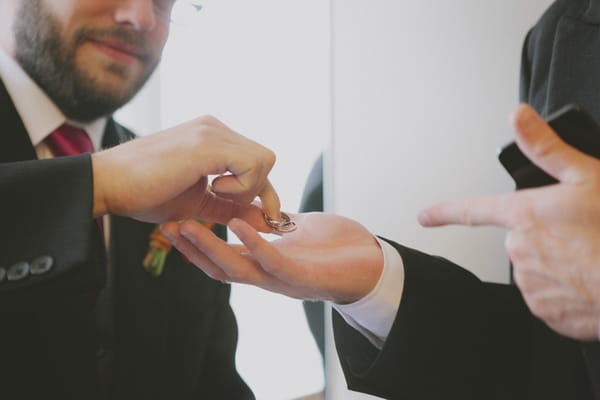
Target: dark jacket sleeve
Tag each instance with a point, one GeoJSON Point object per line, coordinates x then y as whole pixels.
{"type": "Point", "coordinates": [46, 210]}
{"type": "Point", "coordinates": [455, 337]}
{"type": "Point", "coordinates": [560, 58]}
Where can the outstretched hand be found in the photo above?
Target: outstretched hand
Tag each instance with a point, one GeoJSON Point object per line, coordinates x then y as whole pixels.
{"type": "Point", "coordinates": [553, 232]}
{"type": "Point", "coordinates": [327, 258]}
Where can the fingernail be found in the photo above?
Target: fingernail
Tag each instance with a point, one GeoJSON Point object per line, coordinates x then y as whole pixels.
{"type": "Point", "coordinates": [524, 117]}
{"type": "Point", "coordinates": [168, 235]}
{"type": "Point", "coordinates": [423, 218]}
{"type": "Point", "coordinates": [232, 225]}
{"type": "Point", "coordinates": [188, 236]}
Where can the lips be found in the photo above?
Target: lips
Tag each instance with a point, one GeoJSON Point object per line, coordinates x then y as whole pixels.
{"type": "Point", "coordinates": [118, 50]}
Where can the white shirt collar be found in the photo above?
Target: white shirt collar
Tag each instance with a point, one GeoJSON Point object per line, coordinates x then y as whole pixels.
{"type": "Point", "coordinates": [38, 113]}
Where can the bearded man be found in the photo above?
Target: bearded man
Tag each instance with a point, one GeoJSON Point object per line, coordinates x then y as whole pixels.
{"type": "Point", "coordinates": [81, 317]}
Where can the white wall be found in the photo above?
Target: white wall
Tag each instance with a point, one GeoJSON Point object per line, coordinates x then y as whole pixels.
{"type": "Point", "coordinates": [422, 91]}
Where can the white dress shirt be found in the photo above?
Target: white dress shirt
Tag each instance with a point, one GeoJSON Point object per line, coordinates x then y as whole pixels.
{"type": "Point", "coordinates": [374, 314]}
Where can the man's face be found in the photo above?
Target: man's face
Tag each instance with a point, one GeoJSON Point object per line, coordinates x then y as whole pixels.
{"type": "Point", "coordinates": [90, 56]}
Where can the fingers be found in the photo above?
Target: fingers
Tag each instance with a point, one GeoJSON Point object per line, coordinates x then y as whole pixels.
{"type": "Point", "coordinates": [546, 149]}
{"type": "Point", "coordinates": [212, 255]}
{"type": "Point", "coordinates": [253, 214]}
{"type": "Point", "coordinates": [231, 187]}
{"type": "Point", "coordinates": [172, 231]}
{"type": "Point", "coordinates": [256, 245]}
{"type": "Point", "coordinates": [217, 258]}
{"type": "Point", "coordinates": [270, 201]}
{"type": "Point", "coordinates": [248, 164]}
{"type": "Point", "coordinates": [472, 212]}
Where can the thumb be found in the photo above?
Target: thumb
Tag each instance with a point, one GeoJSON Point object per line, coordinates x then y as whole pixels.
{"type": "Point", "coordinates": [542, 145]}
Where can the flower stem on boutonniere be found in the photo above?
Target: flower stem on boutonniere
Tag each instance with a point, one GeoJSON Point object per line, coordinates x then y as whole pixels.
{"type": "Point", "coordinates": [159, 248]}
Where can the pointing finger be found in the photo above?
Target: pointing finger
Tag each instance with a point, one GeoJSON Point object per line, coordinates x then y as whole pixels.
{"type": "Point", "coordinates": [492, 210]}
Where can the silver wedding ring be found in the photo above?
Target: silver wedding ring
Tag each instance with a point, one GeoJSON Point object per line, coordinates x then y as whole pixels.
{"type": "Point", "coordinates": [284, 225]}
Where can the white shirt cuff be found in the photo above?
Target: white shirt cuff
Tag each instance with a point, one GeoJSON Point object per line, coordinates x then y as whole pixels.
{"type": "Point", "coordinates": [374, 314]}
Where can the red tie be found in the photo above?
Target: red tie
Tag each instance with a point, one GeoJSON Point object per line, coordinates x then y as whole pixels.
{"type": "Point", "coordinates": [68, 140]}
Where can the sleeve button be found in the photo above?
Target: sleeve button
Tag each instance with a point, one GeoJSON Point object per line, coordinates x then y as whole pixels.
{"type": "Point", "coordinates": [17, 271]}
{"type": "Point", "coordinates": [41, 265]}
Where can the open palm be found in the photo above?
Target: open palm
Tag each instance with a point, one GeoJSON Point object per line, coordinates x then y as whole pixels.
{"type": "Point", "coordinates": [328, 257]}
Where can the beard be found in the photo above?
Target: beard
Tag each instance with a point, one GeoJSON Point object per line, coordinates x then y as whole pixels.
{"type": "Point", "coordinates": [50, 60]}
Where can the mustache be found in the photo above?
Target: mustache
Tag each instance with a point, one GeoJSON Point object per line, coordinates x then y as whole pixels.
{"type": "Point", "coordinates": [136, 40]}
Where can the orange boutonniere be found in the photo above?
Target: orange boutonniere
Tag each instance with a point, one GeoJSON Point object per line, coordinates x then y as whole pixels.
{"type": "Point", "coordinates": [158, 249]}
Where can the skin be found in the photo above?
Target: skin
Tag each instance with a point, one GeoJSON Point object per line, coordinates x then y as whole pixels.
{"type": "Point", "coordinates": [327, 258]}
{"type": "Point", "coordinates": [163, 176]}
{"type": "Point", "coordinates": [91, 57]}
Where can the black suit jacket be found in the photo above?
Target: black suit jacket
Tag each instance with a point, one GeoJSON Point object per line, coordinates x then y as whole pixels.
{"type": "Point", "coordinates": [455, 337]}
{"type": "Point", "coordinates": [174, 336]}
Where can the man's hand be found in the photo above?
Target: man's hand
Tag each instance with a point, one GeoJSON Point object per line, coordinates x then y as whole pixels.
{"type": "Point", "coordinates": [553, 232]}
{"type": "Point", "coordinates": [327, 258]}
{"type": "Point", "coordinates": [164, 176]}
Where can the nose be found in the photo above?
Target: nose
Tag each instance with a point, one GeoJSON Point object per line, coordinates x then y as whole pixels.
{"type": "Point", "coordinates": [140, 14]}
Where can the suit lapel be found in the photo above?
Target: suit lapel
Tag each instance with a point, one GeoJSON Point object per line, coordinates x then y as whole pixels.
{"type": "Point", "coordinates": [15, 144]}
{"type": "Point", "coordinates": [591, 353]}
{"type": "Point", "coordinates": [115, 134]}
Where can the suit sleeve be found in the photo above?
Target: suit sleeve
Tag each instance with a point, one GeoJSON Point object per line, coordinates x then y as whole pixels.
{"type": "Point", "coordinates": [46, 210]}
{"type": "Point", "coordinates": [455, 337]}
